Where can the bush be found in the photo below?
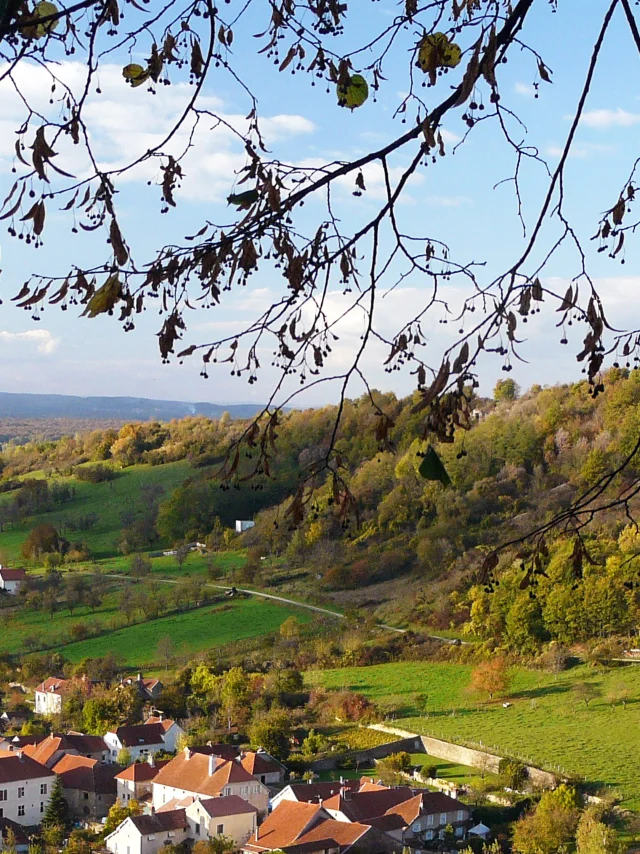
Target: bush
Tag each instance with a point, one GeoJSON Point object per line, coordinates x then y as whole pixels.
{"type": "Point", "coordinates": [430, 771]}
{"type": "Point", "coordinates": [94, 474]}
{"type": "Point", "coordinates": [513, 773]}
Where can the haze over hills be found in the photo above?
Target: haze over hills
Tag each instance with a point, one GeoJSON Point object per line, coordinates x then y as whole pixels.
{"type": "Point", "coordinates": [16, 405]}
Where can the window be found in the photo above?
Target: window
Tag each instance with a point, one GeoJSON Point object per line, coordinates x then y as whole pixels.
{"type": "Point", "coordinates": [244, 790]}
{"type": "Point", "coordinates": [1, 813]}
{"type": "Point", "coordinates": [430, 820]}
{"type": "Point", "coordinates": [85, 795]}
{"type": "Point", "coordinates": [41, 806]}
{"type": "Point", "coordinates": [459, 831]}
{"type": "Point", "coordinates": [151, 838]}
{"type": "Point", "coordinates": [20, 809]}
{"type": "Point", "coordinates": [443, 818]}
{"type": "Point", "coordinates": [220, 829]}
{"type": "Point", "coordinates": [43, 788]}
{"type": "Point", "coordinates": [429, 834]}
{"type": "Point", "coordinates": [170, 834]}
{"type": "Point", "coordinates": [415, 826]}
{"type": "Point", "coordinates": [21, 791]}
{"type": "Point", "coordinates": [227, 791]}
{"type": "Point", "coordinates": [460, 815]}
{"type": "Point", "coordinates": [3, 794]}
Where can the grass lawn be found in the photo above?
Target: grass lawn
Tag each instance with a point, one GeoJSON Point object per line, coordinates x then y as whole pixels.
{"type": "Point", "coordinates": [108, 500]}
{"type": "Point", "coordinates": [191, 631]}
{"type": "Point", "coordinates": [546, 724]}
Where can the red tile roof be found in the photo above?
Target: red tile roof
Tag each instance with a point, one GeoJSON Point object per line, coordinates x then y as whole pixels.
{"type": "Point", "coordinates": [359, 806]}
{"type": "Point", "coordinates": [14, 768]}
{"type": "Point", "coordinates": [190, 771]}
{"type": "Point", "coordinates": [53, 685]}
{"type": "Point", "coordinates": [160, 822]}
{"type": "Point", "coordinates": [163, 722]}
{"type": "Point", "coordinates": [259, 763]}
{"type": "Point", "coordinates": [12, 574]}
{"type": "Point", "coordinates": [88, 775]}
{"type": "Point", "coordinates": [137, 734]}
{"type": "Point", "coordinates": [227, 805]}
{"type": "Point", "coordinates": [285, 824]}
{"type": "Point", "coordinates": [224, 751]}
{"type": "Point", "coordinates": [314, 792]}
{"type": "Point", "coordinates": [142, 772]}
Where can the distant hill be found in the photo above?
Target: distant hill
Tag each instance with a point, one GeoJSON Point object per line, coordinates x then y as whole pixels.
{"type": "Point", "coordinates": [118, 408]}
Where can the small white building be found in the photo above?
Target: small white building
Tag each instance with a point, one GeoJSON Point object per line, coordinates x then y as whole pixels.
{"type": "Point", "coordinates": [141, 740]}
{"type": "Point", "coordinates": [242, 526]}
{"type": "Point", "coordinates": [25, 788]}
{"type": "Point", "coordinates": [146, 834]}
{"type": "Point", "coordinates": [263, 767]}
{"type": "Point", "coordinates": [11, 580]}
{"type": "Point", "coordinates": [49, 695]}
{"type": "Point", "coordinates": [134, 783]}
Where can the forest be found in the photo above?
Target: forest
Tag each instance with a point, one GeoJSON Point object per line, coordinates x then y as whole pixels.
{"type": "Point", "coordinates": [408, 544]}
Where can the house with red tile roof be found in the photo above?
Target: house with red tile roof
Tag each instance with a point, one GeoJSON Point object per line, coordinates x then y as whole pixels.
{"type": "Point", "coordinates": [193, 773]}
{"type": "Point", "coordinates": [303, 828]}
{"type": "Point", "coordinates": [148, 687]}
{"type": "Point", "coordinates": [140, 740]}
{"type": "Point", "coordinates": [50, 693]}
{"type": "Point", "coordinates": [263, 766]}
{"type": "Point", "coordinates": [56, 745]}
{"type": "Point", "coordinates": [25, 788]}
{"type": "Point", "coordinates": [134, 783]}
{"type": "Point", "coordinates": [146, 834]}
{"type": "Point", "coordinates": [11, 580]}
{"type": "Point", "coordinates": [89, 786]}
{"type": "Point", "coordinates": [316, 793]}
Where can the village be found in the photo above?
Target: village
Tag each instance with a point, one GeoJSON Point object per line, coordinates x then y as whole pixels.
{"type": "Point", "coordinates": [168, 797]}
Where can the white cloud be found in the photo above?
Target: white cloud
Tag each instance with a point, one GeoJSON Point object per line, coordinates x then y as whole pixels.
{"type": "Point", "coordinates": [43, 339]}
{"type": "Point", "coordinates": [581, 150]}
{"type": "Point", "coordinates": [604, 119]}
{"type": "Point", "coordinates": [524, 89]}
{"type": "Point", "coordinates": [125, 123]}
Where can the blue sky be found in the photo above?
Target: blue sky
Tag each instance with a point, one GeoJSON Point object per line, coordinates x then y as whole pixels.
{"type": "Point", "coordinates": [455, 199]}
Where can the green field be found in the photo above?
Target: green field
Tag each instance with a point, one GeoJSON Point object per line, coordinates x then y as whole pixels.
{"type": "Point", "coordinates": [107, 500]}
{"type": "Point", "coordinates": [192, 631]}
{"type": "Point", "coordinates": [546, 724]}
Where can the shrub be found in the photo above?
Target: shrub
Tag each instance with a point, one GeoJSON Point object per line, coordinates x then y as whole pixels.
{"type": "Point", "coordinates": [94, 474]}
{"type": "Point", "coordinates": [513, 773]}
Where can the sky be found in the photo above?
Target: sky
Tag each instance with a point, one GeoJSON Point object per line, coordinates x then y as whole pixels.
{"type": "Point", "coordinates": [460, 200]}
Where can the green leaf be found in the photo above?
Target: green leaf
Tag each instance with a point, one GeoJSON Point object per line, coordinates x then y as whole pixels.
{"type": "Point", "coordinates": [243, 200]}
{"type": "Point", "coordinates": [104, 298]}
{"type": "Point", "coordinates": [437, 51]}
{"type": "Point", "coordinates": [135, 74]}
{"type": "Point", "coordinates": [431, 468]}
{"type": "Point", "coordinates": [355, 93]}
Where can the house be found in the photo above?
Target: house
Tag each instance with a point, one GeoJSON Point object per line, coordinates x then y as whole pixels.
{"type": "Point", "coordinates": [11, 580]}
{"type": "Point", "coordinates": [263, 766]}
{"type": "Point", "coordinates": [362, 805]}
{"type": "Point", "coordinates": [224, 751]}
{"type": "Point", "coordinates": [193, 773]}
{"type": "Point", "coordinates": [134, 783]}
{"type": "Point", "coordinates": [242, 526]}
{"type": "Point", "coordinates": [20, 842]}
{"type": "Point", "coordinates": [50, 693]}
{"type": "Point", "coordinates": [56, 745]}
{"type": "Point", "coordinates": [432, 816]}
{"type": "Point", "coordinates": [303, 828]}
{"type": "Point", "coordinates": [148, 688]}
{"type": "Point", "coordinates": [13, 743]}
{"type": "Point", "coordinates": [210, 817]}
{"type": "Point", "coordinates": [146, 834]}
{"type": "Point", "coordinates": [25, 788]}
{"type": "Point", "coordinates": [314, 793]}
{"type": "Point", "coordinates": [142, 739]}
{"type": "Point", "coordinates": [89, 786]}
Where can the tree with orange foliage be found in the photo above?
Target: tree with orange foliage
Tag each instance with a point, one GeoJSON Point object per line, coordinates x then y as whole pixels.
{"type": "Point", "coordinates": [491, 677]}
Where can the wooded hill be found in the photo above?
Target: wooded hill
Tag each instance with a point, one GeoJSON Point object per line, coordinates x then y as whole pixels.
{"type": "Point", "coordinates": [418, 544]}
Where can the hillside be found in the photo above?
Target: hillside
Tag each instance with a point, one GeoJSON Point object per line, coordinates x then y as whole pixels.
{"type": "Point", "coordinates": [407, 551]}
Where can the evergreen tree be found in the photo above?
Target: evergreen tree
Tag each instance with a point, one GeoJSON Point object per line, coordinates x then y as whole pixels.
{"type": "Point", "coordinates": [57, 812]}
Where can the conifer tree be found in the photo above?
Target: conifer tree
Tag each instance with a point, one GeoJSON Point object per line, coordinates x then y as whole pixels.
{"type": "Point", "coordinates": [57, 812]}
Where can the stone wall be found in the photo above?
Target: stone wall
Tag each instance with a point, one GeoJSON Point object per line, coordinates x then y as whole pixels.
{"type": "Point", "coordinates": [464, 755]}
{"type": "Point", "coordinates": [366, 758]}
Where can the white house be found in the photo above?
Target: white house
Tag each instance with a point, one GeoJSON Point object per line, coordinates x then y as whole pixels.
{"type": "Point", "coordinates": [263, 767]}
{"type": "Point", "coordinates": [231, 816]}
{"type": "Point", "coordinates": [50, 693]}
{"type": "Point", "coordinates": [11, 579]}
{"type": "Point", "coordinates": [243, 525]}
{"type": "Point", "coordinates": [146, 834]}
{"type": "Point", "coordinates": [143, 739]}
{"type": "Point", "coordinates": [134, 783]}
{"type": "Point", "coordinates": [194, 774]}
{"type": "Point", "coordinates": [25, 788]}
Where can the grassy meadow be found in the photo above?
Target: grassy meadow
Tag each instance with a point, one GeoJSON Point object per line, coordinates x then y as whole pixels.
{"type": "Point", "coordinates": [546, 725]}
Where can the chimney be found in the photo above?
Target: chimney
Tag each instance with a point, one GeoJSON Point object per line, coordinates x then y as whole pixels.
{"type": "Point", "coordinates": [20, 755]}
{"type": "Point", "coordinates": [161, 715]}
{"type": "Point", "coordinates": [151, 760]}
{"type": "Point", "coordinates": [257, 832]}
{"type": "Point", "coordinates": [341, 780]}
{"type": "Point", "coordinates": [213, 762]}
{"type": "Point", "coordinates": [153, 810]}
{"type": "Point", "coordinates": [187, 754]}
{"type": "Point", "coordinates": [209, 744]}
{"type": "Point", "coordinates": [139, 677]}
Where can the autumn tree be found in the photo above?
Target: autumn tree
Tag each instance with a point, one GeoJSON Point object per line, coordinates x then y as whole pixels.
{"type": "Point", "coordinates": [292, 218]}
{"type": "Point", "coordinates": [491, 677]}
{"type": "Point", "coordinates": [550, 826]}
